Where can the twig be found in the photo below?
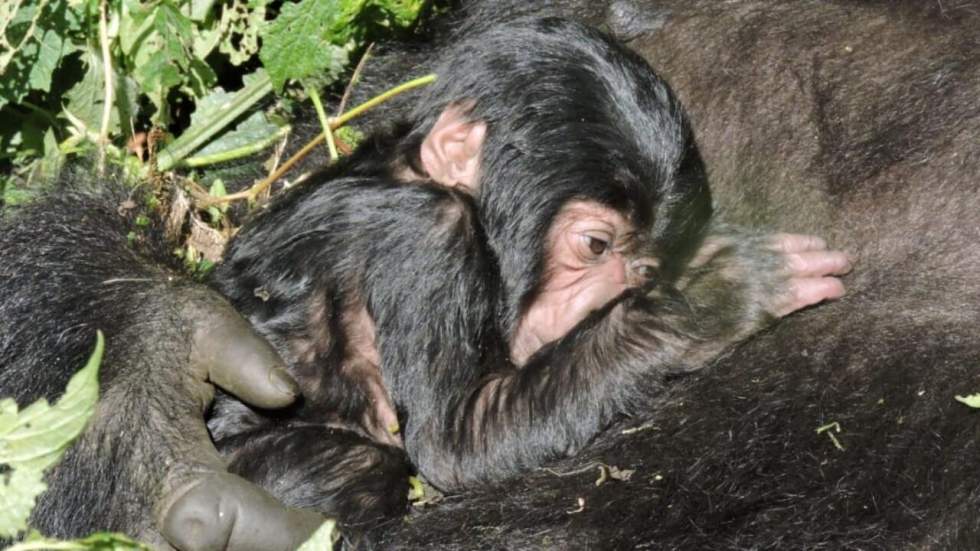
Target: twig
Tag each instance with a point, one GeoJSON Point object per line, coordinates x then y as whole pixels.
{"type": "Point", "coordinates": [353, 79]}
{"type": "Point", "coordinates": [107, 76]}
{"type": "Point", "coordinates": [573, 472]}
{"type": "Point", "coordinates": [336, 123]}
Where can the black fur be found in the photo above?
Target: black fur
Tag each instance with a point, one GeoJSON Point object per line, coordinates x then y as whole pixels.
{"type": "Point", "coordinates": [854, 120]}
{"type": "Point", "coordinates": [66, 270]}
{"type": "Point", "coordinates": [570, 115]}
{"type": "Point", "coordinates": [74, 262]}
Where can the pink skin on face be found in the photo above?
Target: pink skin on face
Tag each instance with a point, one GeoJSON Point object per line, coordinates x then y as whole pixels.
{"type": "Point", "coordinates": [589, 263]}
{"type": "Point", "coordinates": [592, 259]}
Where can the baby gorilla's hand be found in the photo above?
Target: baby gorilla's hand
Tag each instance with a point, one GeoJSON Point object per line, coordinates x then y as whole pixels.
{"type": "Point", "coordinates": [740, 282]}
{"type": "Point", "coordinates": [811, 270]}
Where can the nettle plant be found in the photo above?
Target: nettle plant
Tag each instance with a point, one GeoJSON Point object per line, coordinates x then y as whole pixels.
{"type": "Point", "coordinates": [118, 78]}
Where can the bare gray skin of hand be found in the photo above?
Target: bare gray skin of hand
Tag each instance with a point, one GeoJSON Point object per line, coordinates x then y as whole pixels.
{"type": "Point", "coordinates": [202, 507]}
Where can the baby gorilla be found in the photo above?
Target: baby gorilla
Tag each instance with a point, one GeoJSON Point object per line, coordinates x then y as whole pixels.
{"type": "Point", "coordinates": [530, 256]}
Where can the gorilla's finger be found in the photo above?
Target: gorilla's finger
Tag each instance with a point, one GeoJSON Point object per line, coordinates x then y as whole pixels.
{"type": "Point", "coordinates": [809, 291]}
{"type": "Point", "coordinates": [231, 355]}
{"type": "Point", "coordinates": [796, 243]}
{"type": "Point", "coordinates": [818, 263]}
{"type": "Point", "coordinates": [222, 511]}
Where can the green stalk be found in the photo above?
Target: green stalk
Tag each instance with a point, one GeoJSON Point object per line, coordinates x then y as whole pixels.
{"type": "Point", "coordinates": [324, 122]}
{"type": "Point", "coordinates": [379, 99]}
{"type": "Point", "coordinates": [237, 153]}
{"type": "Point", "coordinates": [200, 133]}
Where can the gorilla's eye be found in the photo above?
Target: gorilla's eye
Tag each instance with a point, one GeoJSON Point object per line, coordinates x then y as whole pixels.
{"type": "Point", "coordinates": [596, 246]}
{"type": "Point", "coordinates": [645, 271]}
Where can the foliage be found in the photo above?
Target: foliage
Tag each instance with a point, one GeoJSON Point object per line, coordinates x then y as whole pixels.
{"type": "Point", "coordinates": [151, 85]}
{"type": "Point", "coordinates": [323, 539]}
{"type": "Point", "coordinates": [33, 439]}
{"type": "Point", "coordinates": [214, 60]}
{"type": "Point", "coordinates": [973, 400]}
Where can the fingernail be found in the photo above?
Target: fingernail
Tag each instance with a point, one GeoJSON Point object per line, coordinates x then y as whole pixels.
{"type": "Point", "coordinates": [283, 382]}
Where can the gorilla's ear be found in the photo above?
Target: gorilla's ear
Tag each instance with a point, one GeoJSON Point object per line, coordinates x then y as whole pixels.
{"type": "Point", "coordinates": [451, 151]}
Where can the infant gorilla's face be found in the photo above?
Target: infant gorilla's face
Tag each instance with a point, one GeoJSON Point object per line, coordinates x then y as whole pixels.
{"type": "Point", "coordinates": [592, 255]}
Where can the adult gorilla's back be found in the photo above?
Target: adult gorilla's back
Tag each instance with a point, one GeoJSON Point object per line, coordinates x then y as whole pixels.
{"type": "Point", "coordinates": [858, 121]}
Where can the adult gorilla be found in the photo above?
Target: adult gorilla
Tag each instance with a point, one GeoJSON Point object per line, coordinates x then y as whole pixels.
{"type": "Point", "coordinates": [857, 121]}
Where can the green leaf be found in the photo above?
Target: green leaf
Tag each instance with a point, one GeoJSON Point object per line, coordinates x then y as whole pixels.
{"type": "Point", "coordinates": [217, 189]}
{"type": "Point", "coordinates": [15, 196]}
{"type": "Point", "coordinates": [35, 438]}
{"type": "Point", "coordinates": [51, 47]}
{"type": "Point", "coordinates": [309, 38]}
{"type": "Point", "coordinates": [973, 400]}
{"type": "Point", "coordinates": [50, 164]}
{"type": "Point", "coordinates": [100, 541]}
{"type": "Point", "coordinates": [350, 135]}
{"type": "Point", "coordinates": [257, 86]}
{"type": "Point", "coordinates": [200, 9]}
{"type": "Point", "coordinates": [323, 539]}
{"type": "Point", "coordinates": [159, 41]}
{"type": "Point", "coordinates": [32, 46]}
{"type": "Point", "coordinates": [18, 490]}
{"type": "Point", "coordinates": [255, 129]}
{"type": "Point", "coordinates": [84, 101]}
{"type": "Point", "coordinates": [240, 24]}
{"type": "Point", "coordinates": [401, 13]}
{"type": "Point", "coordinates": [40, 433]}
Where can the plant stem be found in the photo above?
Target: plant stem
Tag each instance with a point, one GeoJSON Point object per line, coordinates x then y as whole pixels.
{"type": "Point", "coordinates": [324, 122]}
{"type": "Point", "coordinates": [378, 100]}
{"type": "Point", "coordinates": [198, 134]}
{"type": "Point", "coordinates": [237, 153]}
{"type": "Point", "coordinates": [335, 123]}
{"type": "Point", "coordinates": [107, 99]}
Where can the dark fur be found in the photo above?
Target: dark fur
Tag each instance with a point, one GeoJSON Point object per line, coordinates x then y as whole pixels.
{"type": "Point", "coordinates": [854, 120]}
{"type": "Point", "coordinates": [570, 115]}
{"type": "Point", "coordinates": [68, 269]}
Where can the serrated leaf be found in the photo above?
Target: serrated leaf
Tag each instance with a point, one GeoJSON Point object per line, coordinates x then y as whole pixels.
{"type": "Point", "coordinates": [973, 400]}
{"type": "Point", "coordinates": [34, 438]}
{"type": "Point", "coordinates": [84, 101]}
{"type": "Point", "coordinates": [42, 432]}
{"type": "Point", "coordinates": [159, 42]}
{"type": "Point", "coordinates": [323, 539]}
{"type": "Point", "coordinates": [18, 491]}
{"type": "Point", "coordinates": [309, 38]}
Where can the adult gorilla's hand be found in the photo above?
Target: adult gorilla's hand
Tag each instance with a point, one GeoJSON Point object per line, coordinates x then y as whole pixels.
{"type": "Point", "coordinates": [201, 506]}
